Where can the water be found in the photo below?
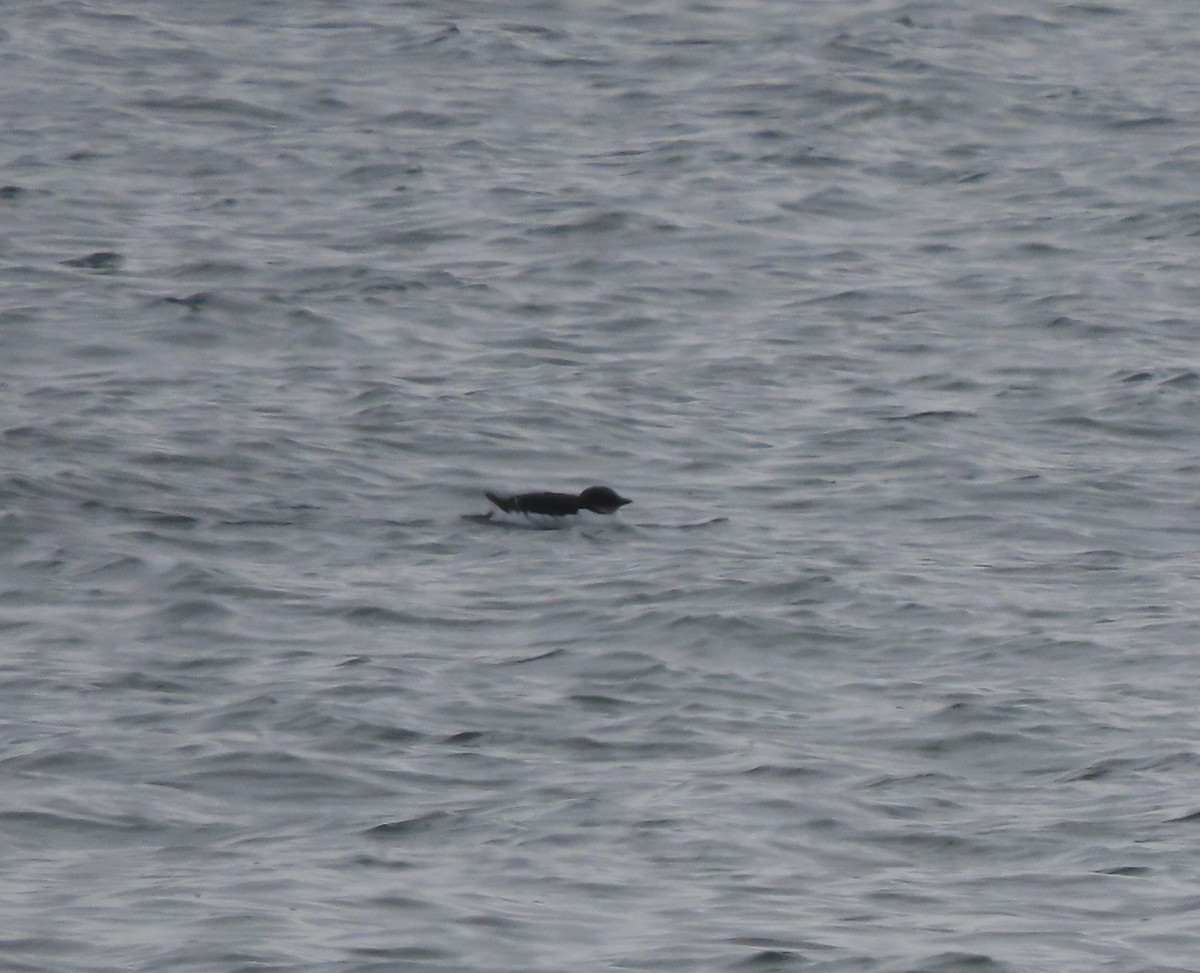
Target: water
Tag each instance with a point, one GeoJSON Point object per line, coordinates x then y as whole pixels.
{"type": "Point", "coordinates": [883, 315]}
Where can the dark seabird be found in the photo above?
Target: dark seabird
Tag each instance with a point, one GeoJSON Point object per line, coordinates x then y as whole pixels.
{"type": "Point", "coordinates": [598, 499]}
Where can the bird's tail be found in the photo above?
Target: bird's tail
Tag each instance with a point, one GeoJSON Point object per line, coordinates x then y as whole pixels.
{"type": "Point", "coordinates": [504, 503]}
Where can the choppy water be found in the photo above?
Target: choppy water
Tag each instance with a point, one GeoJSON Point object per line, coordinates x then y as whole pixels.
{"type": "Point", "coordinates": [883, 313]}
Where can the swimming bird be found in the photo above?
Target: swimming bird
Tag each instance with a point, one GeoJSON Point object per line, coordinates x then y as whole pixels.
{"type": "Point", "coordinates": [598, 499]}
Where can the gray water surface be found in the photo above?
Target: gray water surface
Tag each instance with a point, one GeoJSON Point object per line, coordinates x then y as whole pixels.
{"type": "Point", "coordinates": [882, 313]}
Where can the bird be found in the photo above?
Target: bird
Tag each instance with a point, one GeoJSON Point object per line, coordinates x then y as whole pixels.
{"type": "Point", "coordinates": [598, 499]}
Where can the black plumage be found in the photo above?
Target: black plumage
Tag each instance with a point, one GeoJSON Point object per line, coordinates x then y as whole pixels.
{"type": "Point", "coordinates": [598, 499]}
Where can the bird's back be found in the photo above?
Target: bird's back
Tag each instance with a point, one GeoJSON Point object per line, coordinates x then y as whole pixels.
{"type": "Point", "coordinates": [547, 504]}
